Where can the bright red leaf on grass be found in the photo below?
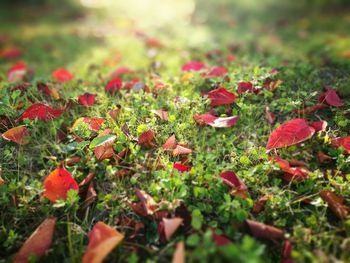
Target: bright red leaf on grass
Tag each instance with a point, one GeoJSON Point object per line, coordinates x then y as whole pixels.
{"type": "Point", "coordinates": [102, 240]}
{"type": "Point", "coordinates": [290, 133]}
{"type": "Point", "coordinates": [193, 66]}
{"type": "Point", "coordinates": [17, 72]}
{"type": "Point", "coordinates": [94, 123]}
{"type": "Point", "coordinates": [343, 142]}
{"type": "Point", "coordinates": [87, 99]}
{"type": "Point", "coordinates": [246, 87]}
{"type": "Point", "coordinates": [18, 135]}
{"type": "Point", "coordinates": [221, 96]}
{"type": "Point", "coordinates": [114, 86]}
{"type": "Point", "coordinates": [181, 167]}
{"type": "Point", "coordinates": [168, 226]}
{"type": "Point", "coordinates": [147, 139]}
{"type": "Point", "coordinates": [62, 75]}
{"type": "Point", "coordinates": [319, 125]}
{"type": "Point", "coordinates": [215, 72]}
{"type": "Point", "coordinates": [121, 71]}
{"type": "Point", "coordinates": [38, 243]}
{"type": "Point", "coordinates": [232, 180]}
{"type": "Point", "coordinates": [13, 52]}
{"type": "Point", "coordinates": [331, 98]}
{"type": "Point", "coordinates": [170, 143]}
{"type": "Point", "coordinates": [297, 172]}
{"type": "Point", "coordinates": [58, 183]}
{"type": "Point", "coordinates": [213, 121]}
{"type": "Point", "coordinates": [40, 111]}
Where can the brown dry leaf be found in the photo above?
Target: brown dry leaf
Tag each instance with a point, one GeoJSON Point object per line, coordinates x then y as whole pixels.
{"type": "Point", "coordinates": [335, 203]}
{"type": "Point", "coordinates": [38, 243]}
{"type": "Point", "coordinates": [263, 231]}
{"type": "Point", "coordinates": [102, 240]}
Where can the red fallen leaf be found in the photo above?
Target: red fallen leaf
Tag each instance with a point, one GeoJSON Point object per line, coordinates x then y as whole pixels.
{"type": "Point", "coordinates": [193, 66]}
{"type": "Point", "coordinates": [312, 109]}
{"type": "Point", "coordinates": [232, 180]}
{"type": "Point", "coordinates": [87, 99]}
{"type": "Point", "coordinates": [331, 98]}
{"type": "Point", "coordinates": [162, 114]}
{"type": "Point", "coordinates": [115, 112]}
{"type": "Point", "coordinates": [215, 121]}
{"type": "Point", "coordinates": [13, 52]}
{"type": "Point", "coordinates": [94, 123]}
{"type": "Point", "coordinates": [17, 72]}
{"type": "Point", "coordinates": [230, 58]}
{"type": "Point", "coordinates": [298, 172]}
{"type": "Point", "coordinates": [263, 231]}
{"type": "Point", "coordinates": [147, 139]}
{"type": "Point", "coordinates": [319, 125]}
{"type": "Point", "coordinates": [179, 255]}
{"type": "Point", "coordinates": [221, 96]}
{"type": "Point", "coordinates": [57, 184]}
{"type": "Point", "coordinates": [38, 242]}
{"type": "Point", "coordinates": [181, 167]}
{"type": "Point", "coordinates": [215, 72]}
{"type": "Point", "coordinates": [287, 249]}
{"type": "Point", "coordinates": [114, 86]}
{"type": "Point", "coordinates": [246, 87]}
{"type": "Point", "coordinates": [343, 142]}
{"type": "Point", "coordinates": [148, 204]}
{"type": "Point", "coordinates": [62, 75]}
{"type": "Point", "coordinates": [17, 134]}
{"type": "Point", "coordinates": [271, 118]}
{"type": "Point", "coordinates": [259, 205]}
{"type": "Point", "coordinates": [322, 157]}
{"type": "Point", "coordinates": [290, 133]}
{"type": "Point", "coordinates": [102, 240]}
{"type": "Point", "coordinates": [153, 42]}
{"type": "Point", "coordinates": [170, 143]}
{"type": "Point", "coordinates": [335, 203]}
{"type": "Point", "coordinates": [121, 71]}
{"type": "Point", "coordinates": [40, 111]}
{"type": "Point", "coordinates": [167, 227]}
{"type": "Point", "coordinates": [104, 151]}
{"type": "Point", "coordinates": [43, 88]}
{"type": "Point", "coordinates": [221, 240]}
{"type": "Point", "coordinates": [181, 149]}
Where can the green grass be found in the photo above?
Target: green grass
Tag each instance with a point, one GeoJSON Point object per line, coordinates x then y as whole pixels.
{"type": "Point", "coordinates": [306, 49]}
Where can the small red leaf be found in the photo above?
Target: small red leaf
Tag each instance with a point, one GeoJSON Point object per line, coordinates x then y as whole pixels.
{"type": "Point", "coordinates": [170, 143]}
{"type": "Point", "coordinates": [319, 125]}
{"type": "Point", "coordinates": [312, 109]}
{"type": "Point", "coordinates": [232, 180]}
{"type": "Point", "coordinates": [38, 243]}
{"type": "Point", "coordinates": [162, 114]}
{"type": "Point", "coordinates": [147, 139]}
{"type": "Point", "coordinates": [215, 121]}
{"type": "Point", "coordinates": [343, 142]}
{"type": "Point", "coordinates": [57, 184]}
{"type": "Point", "coordinates": [331, 98]}
{"type": "Point", "coordinates": [18, 135]}
{"type": "Point", "coordinates": [62, 75]}
{"type": "Point", "coordinates": [94, 123]}
{"type": "Point", "coordinates": [12, 52]}
{"type": "Point", "coordinates": [114, 86]}
{"type": "Point", "coordinates": [193, 66]}
{"type": "Point", "coordinates": [17, 72]}
{"type": "Point", "coordinates": [245, 87]}
{"type": "Point", "coordinates": [299, 173]}
{"type": "Point", "coordinates": [147, 202]}
{"type": "Point", "coordinates": [215, 72]}
{"type": "Point", "coordinates": [290, 133]}
{"type": "Point", "coordinates": [121, 71]}
{"type": "Point", "coordinates": [221, 96]}
{"type": "Point", "coordinates": [179, 255]}
{"type": "Point", "coordinates": [40, 111]}
{"type": "Point", "coordinates": [181, 167]}
{"type": "Point", "coordinates": [167, 227]}
{"type": "Point", "coordinates": [87, 99]}
{"type": "Point", "coordinates": [102, 240]}
{"type": "Point", "coordinates": [104, 151]}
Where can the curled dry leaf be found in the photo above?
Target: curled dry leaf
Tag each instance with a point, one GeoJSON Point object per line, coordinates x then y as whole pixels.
{"type": "Point", "coordinates": [181, 149]}
{"type": "Point", "coordinates": [17, 134]}
{"type": "Point", "coordinates": [213, 121]}
{"type": "Point", "coordinates": [179, 255]}
{"type": "Point", "coordinates": [290, 133]}
{"type": "Point", "coordinates": [263, 231]}
{"type": "Point", "coordinates": [297, 173]}
{"type": "Point", "coordinates": [102, 240]}
{"type": "Point", "coordinates": [87, 99]}
{"type": "Point", "coordinates": [168, 226]}
{"type": "Point", "coordinates": [162, 114]}
{"type": "Point", "coordinates": [62, 75]}
{"type": "Point", "coordinates": [58, 183]}
{"type": "Point", "coordinates": [331, 98]}
{"type": "Point", "coordinates": [38, 243]}
{"type": "Point", "coordinates": [40, 111]}
{"type": "Point", "coordinates": [260, 204]}
{"type": "Point", "coordinates": [170, 143]}
{"type": "Point", "coordinates": [104, 151]}
{"type": "Point", "coordinates": [221, 96]}
{"type": "Point", "coordinates": [272, 85]}
{"type": "Point", "coordinates": [147, 202]}
{"type": "Point", "coordinates": [114, 86]}
{"type": "Point", "coordinates": [312, 109]}
{"type": "Point", "coordinates": [343, 142]}
{"type": "Point", "coordinates": [335, 203]}
{"type": "Point", "coordinates": [193, 66]}
{"type": "Point", "coordinates": [147, 139]}
{"type": "Point", "coordinates": [233, 181]}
